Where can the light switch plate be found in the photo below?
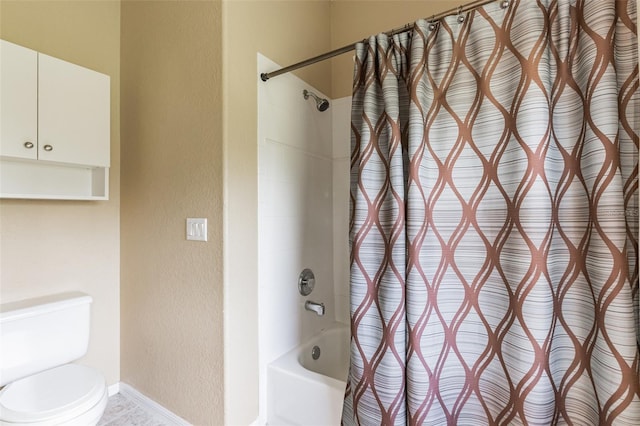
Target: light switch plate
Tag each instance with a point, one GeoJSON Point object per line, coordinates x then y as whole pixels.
{"type": "Point", "coordinates": [196, 229]}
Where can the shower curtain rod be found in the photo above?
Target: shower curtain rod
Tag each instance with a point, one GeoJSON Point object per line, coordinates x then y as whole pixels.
{"type": "Point", "coordinates": [344, 49]}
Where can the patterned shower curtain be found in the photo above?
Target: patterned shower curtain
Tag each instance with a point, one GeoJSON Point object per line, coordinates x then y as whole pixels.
{"type": "Point", "coordinates": [494, 219]}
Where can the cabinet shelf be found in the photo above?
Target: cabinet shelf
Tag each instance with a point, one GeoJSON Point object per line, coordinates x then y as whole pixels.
{"type": "Point", "coordinates": [33, 179]}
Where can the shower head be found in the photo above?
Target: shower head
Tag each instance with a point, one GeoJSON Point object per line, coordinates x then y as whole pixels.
{"type": "Point", "coordinates": [321, 103]}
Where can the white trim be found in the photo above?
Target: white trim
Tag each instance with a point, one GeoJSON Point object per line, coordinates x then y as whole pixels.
{"type": "Point", "coordinates": [152, 406]}
{"type": "Point", "coordinates": [114, 389]}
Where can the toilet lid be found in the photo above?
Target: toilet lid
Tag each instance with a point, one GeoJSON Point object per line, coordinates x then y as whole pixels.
{"type": "Point", "coordinates": [60, 393]}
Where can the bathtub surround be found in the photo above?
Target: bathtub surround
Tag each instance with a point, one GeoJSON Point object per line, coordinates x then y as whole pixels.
{"type": "Point", "coordinates": [295, 217]}
{"type": "Point", "coordinates": [303, 221]}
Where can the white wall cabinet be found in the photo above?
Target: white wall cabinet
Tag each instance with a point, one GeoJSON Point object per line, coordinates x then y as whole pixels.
{"type": "Point", "coordinates": [19, 101]}
{"type": "Point", "coordinates": [54, 127]}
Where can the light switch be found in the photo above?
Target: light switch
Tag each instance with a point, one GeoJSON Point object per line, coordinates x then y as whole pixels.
{"type": "Point", "coordinates": [196, 229]}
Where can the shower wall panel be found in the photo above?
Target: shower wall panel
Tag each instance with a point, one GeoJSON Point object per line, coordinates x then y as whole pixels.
{"type": "Point", "coordinates": [295, 216]}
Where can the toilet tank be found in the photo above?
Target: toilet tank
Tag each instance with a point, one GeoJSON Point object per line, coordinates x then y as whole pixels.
{"type": "Point", "coordinates": [42, 333]}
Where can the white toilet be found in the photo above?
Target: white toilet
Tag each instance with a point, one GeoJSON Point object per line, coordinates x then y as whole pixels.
{"type": "Point", "coordinates": [38, 340]}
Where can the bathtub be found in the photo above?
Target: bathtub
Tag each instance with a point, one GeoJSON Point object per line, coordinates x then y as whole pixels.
{"type": "Point", "coordinates": [303, 391]}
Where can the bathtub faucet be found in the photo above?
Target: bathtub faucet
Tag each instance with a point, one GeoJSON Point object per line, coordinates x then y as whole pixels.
{"type": "Point", "coordinates": [318, 308]}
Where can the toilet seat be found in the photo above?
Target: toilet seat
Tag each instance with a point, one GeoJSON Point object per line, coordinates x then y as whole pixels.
{"type": "Point", "coordinates": [61, 395]}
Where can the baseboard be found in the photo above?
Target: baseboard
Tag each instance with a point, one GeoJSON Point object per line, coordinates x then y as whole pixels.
{"type": "Point", "coordinates": [114, 389]}
{"type": "Point", "coordinates": [152, 406]}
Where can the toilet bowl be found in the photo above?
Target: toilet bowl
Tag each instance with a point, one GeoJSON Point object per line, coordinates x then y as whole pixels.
{"type": "Point", "coordinates": [41, 387]}
{"type": "Point", "coordinates": [68, 395]}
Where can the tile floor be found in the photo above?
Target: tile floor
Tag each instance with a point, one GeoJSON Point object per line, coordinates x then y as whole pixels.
{"type": "Point", "coordinates": [123, 411]}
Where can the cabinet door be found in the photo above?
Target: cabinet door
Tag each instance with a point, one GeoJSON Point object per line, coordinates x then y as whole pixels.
{"type": "Point", "coordinates": [73, 113]}
{"type": "Point", "coordinates": [18, 101]}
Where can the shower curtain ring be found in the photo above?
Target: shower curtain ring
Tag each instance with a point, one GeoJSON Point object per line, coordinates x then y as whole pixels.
{"type": "Point", "coordinates": [432, 23]}
{"type": "Point", "coordinates": [460, 17]}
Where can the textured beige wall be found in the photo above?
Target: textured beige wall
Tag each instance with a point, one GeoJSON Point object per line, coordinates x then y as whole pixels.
{"type": "Point", "coordinates": [53, 246]}
{"type": "Point", "coordinates": [284, 31]}
{"type": "Point", "coordinates": [353, 20]}
{"type": "Point", "coordinates": [172, 347]}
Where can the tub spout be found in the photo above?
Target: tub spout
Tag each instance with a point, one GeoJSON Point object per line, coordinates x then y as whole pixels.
{"type": "Point", "coordinates": [318, 308]}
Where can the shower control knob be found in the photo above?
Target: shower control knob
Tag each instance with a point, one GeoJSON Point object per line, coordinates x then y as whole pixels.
{"type": "Point", "coordinates": [306, 282]}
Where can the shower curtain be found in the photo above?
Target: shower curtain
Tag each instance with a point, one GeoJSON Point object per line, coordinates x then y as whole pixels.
{"type": "Point", "coordinates": [494, 219]}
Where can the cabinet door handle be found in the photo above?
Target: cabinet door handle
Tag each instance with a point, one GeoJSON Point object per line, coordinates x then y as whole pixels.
{"type": "Point", "coordinates": [28, 145]}
{"type": "Point", "coordinates": [48, 148]}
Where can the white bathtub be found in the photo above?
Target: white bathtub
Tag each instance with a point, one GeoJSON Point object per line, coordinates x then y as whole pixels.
{"type": "Point", "coordinates": [306, 392]}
